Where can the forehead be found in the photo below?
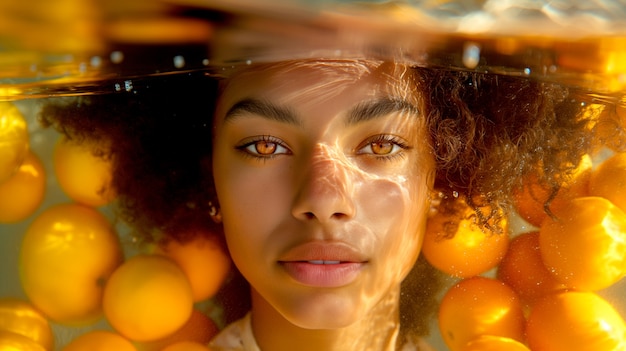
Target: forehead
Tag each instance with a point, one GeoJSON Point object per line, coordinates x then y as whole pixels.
{"type": "Point", "coordinates": [311, 83]}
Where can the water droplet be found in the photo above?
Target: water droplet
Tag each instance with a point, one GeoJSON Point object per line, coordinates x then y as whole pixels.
{"type": "Point", "coordinates": [179, 61]}
{"type": "Point", "coordinates": [248, 62]}
{"type": "Point", "coordinates": [471, 55]}
{"type": "Point", "coordinates": [128, 85]}
{"type": "Point", "coordinates": [455, 194]}
{"type": "Point", "coordinates": [82, 67]}
{"type": "Point", "coordinates": [552, 69]}
{"type": "Point", "coordinates": [118, 87]}
{"type": "Point", "coordinates": [117, 57]}
{"type": "Point", "coordinates": [526, 71]}
{"type": "Point", "coordinates": [205, 62]}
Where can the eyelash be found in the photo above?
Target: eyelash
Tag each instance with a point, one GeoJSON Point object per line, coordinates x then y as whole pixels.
{"type": "Point", "coordinates": [243, 147]}
{"type": "Point", "coordinates": [385, 138]}
{"type": "Point", "coordinates": [246, 143]}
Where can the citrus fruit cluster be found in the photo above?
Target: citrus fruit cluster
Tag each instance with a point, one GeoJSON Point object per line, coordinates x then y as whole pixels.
{"type": "Point", "coordinates": [72, 266]}
{"type": "Point", "coordinates": [544, 293]}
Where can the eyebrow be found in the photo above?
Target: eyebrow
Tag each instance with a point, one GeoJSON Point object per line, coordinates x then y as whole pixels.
{"type": "Point", "coordinates": [361, 113]}
{"type": "Point", "coordinates": [263, 109]}
{"type": "Point", "coordinates": [379, 108]}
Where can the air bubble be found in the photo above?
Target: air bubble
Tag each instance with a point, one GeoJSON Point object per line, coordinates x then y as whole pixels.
{"type": "Point", "coordinates": [205, 62]}
{"type": "Point", "coordinates": [82, 67]}
{"type": "Point", "coordinates": [95, 61]}
{"type": "Point", "coordinates": [527, 71]}
{"type": "Point", "coordinates": [179, 61]}
{"type": "Point", "coordinates": [248, 62]}
{"type": "Point", "coordinates": [128, 85]}
{"type": "Point", "coordinates": [471, 55]}
{"type": "Point", "coordinates": [118, 87]}
{"type": "Point", "coordinates": [117, 57]}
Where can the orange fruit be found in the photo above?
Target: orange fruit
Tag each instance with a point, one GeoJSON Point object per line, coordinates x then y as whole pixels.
{"type": "Point", "coordinates": [83, 176]}
{"type": "Point", "coordinates": [187, 346]}
{"type": "Point", "coordinates": [67, 254]}
{"type": "Point", "coordinates": [13, 140]}
{"type": "Point", "coordinates": [147, 298]}
{"type": "Point", "coordinates": [609, 131]}
{"type": "Point", "coordinates": [23, 192]}
{"type": "Point", "coordinates": [575, 321]}
{"type": "Point", "coordinates": [100, 340]}
{"type": "Point", "coordinates": [479, 306]}
{"type": "Point", "coordinates": [585, 246]}
{"type": "Point", "coordinates": [523, 270]}
{"type": "Point", "coordinates": [530, 200]}
{"type": "Point", "coordinates": [204, 260]}
{"type": "Point", "coordinates": [495, 343]}
{"type": "Point", "coordinates": [609, 180]}
{"type": "Point", "coordinates": [456, 244]}
{"type": "Point", "coordinates": [199, 328]}
{"type": "Point", "coordinates": [20, 317]}
{"type": "Point", "coordinates": [10, 341]}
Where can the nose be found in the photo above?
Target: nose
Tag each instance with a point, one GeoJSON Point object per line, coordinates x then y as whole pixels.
{"type": "Point", "coordinates": [327, 187]}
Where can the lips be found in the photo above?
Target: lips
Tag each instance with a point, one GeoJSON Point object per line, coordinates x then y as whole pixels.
{"type": "Point", "coordinates": [323, 264]}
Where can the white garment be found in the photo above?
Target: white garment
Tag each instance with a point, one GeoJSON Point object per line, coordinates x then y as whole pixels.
{"type": "Point", "coordinates": [238, 337]}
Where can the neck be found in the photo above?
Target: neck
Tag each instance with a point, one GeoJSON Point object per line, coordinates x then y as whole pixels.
{"type": "Point", "coordinates": [376, 331]}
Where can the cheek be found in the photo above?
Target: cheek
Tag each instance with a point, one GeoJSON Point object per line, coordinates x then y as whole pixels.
{"type": "Point", "coordinates": [248, 213]}
{"type": "Point", "coordinates": [396, 211]}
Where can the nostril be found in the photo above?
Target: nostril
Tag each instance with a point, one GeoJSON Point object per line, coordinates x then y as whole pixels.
{"type": "Point", "coordinates": [309, 215]}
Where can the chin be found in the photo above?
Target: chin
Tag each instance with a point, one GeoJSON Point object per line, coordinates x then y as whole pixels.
{"type": "Point", "coordinates": [324, 312]}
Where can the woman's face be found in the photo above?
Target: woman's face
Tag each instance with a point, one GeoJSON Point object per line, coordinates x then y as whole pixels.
{"type": "Point", "coordinates": [322, 171]}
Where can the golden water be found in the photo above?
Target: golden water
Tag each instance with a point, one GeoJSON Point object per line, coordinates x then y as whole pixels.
{"type": "Point", "coordinates": [74, 47]}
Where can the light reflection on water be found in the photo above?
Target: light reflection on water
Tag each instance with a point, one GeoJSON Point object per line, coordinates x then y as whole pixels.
{"type": "Point", "coordinates": [77, 47]}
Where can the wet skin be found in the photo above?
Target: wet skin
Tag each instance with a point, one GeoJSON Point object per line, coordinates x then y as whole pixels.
{"type": "Point", "coordinates": [323, 171]}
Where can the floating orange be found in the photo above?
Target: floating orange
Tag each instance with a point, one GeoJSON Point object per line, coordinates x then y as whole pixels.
{"type": "Point", "coordinates": [187, 346]}
{"type": "Point", "coordinates": [522, 269]}
{"type": "Point", "coordinates": [100, 340]}
{"type": "Point", "coordinates": [10, 341]}
{"type": "Point", "coordinates": [479, 306]}
{"type": "Point", "coordinates": [20, 317]}
{"type": "Point", "coordinates": [67, 254]}
{"type": "Point", "coordinates": [495, 343]}
{"type": "Point", "coordinates": [609, 180]}
{"type": "Point", "coordinates": [148, 298]}
{"type": "Point", "coordinates": [204, 260]}
{"type": "Point", "coordinates": [83, 175]}
{"type": "Point", "coordinates": [575, 321]}
{"type": "Point", "coordinates": [531, 199]}
{"type": "Point", "coordinates": [13, 140]}
{"type": "Point", "coordinates": [457, 244]}
{"type": "Point", "coordinates": [585, 246]}
{"type": "Point", "coordinates": [23, 192]}
{"type": "Point", "coordinates": [199, 328]}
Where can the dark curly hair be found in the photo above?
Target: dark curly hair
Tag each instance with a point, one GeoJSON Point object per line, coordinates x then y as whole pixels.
{"type": "Point", "coordinates": [488, 131]}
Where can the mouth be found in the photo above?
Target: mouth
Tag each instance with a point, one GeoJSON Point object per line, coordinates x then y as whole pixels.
{"type": "Point", "coordinates": [323, 264]}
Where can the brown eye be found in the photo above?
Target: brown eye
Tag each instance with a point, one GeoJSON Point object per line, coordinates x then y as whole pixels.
{"type": "Point", "coordinates": [382, 148]}
{"type": "Point", "coordinates": [265, 147]}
